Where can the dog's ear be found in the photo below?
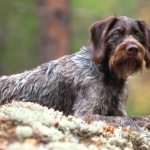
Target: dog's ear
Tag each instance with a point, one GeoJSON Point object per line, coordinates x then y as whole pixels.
{"type": "Point", "coordinates": [99, 32]}
{"type": "Point", "coordinates": [146, 30]}
{"type": "Point", "coordinates": [147, 53]}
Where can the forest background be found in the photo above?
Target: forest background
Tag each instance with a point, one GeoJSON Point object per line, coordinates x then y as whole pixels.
{"type": "Point", "coordinates": [36, 31]}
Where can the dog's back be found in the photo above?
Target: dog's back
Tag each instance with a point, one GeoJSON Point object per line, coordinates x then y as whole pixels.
{"type": "Point", "coordinates": [52, 84]}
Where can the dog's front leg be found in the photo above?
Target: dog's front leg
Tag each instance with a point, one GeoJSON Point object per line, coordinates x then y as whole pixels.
{"type": "Point", "coordinates": [91, 100]}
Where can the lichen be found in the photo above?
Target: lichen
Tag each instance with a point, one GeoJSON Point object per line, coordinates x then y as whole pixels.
{"type": "Point", "coordinates": [22, 146]}
{"type": "Point", "coordinates": [24, 131]}
{"type": "Point", "coordinates": [70, 146]}
{"type": "Point", "coordinates": [50, 129]}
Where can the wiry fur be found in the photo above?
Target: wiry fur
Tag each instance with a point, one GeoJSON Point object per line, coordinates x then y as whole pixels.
{"type": "Point", "coordinates": [84, 83]}
{"type": "Point", "coordinates": [72, 84]}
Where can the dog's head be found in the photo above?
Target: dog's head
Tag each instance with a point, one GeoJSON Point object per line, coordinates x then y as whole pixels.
{"type": "Point", "coordinates": [121, 43]}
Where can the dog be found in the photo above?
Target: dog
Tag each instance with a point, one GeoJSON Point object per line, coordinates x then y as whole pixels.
{"type": "Point", "coordinates": [93, 81]}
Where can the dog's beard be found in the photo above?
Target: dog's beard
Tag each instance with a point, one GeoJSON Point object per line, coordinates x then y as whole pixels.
{"type": "Point", "coordinates": [125, 68]}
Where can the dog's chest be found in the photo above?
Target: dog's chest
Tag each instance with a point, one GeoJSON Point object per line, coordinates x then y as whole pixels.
{"type": "Point", "coordinates": [110, 96]}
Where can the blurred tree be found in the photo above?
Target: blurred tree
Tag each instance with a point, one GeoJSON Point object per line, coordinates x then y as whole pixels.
{"type": "Point", "coordinates": [18, 36]}
{"type": "Point", "coordinates": [54, 28]}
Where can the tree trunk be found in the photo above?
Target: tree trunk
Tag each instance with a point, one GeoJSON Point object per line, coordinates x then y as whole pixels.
{"type": "Point", "coordinates": [54, 28]}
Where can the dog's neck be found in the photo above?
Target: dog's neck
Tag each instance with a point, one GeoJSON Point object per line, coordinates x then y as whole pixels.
{"type": "Point", "coordinates": [111, 78]}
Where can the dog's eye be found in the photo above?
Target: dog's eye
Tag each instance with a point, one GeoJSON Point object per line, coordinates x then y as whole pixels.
{"type": "Point", "coordinates": [138, 35]}
{"type": "Point", "coordinates": [117, 34]}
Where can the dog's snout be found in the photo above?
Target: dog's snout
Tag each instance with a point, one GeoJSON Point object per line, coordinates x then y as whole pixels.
{"type": "Point", "coordinates": [132, 49]}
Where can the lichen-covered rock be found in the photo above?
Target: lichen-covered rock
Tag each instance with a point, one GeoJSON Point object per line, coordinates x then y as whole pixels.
{"type": "Point", "coordinates": [29, 126]}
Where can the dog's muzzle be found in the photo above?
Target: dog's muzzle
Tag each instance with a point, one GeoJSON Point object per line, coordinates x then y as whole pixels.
{"type": "Point", "coordinates": [127, 58]}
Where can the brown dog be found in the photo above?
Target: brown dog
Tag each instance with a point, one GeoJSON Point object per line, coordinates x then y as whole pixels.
{"type": "Point", "coordinates": [92, 81]}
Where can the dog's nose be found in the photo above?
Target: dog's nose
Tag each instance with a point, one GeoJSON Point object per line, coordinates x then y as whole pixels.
{"type": "Point", "coordinates": [132, 49]}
